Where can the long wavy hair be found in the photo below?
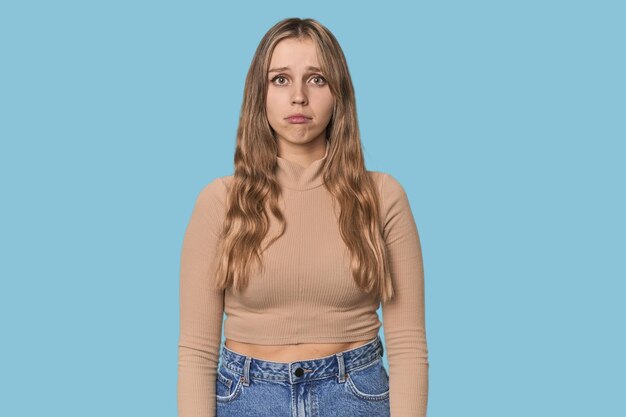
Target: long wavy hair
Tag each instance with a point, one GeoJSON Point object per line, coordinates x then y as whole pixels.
{"type": "Point", "coordinates": [254, 188]}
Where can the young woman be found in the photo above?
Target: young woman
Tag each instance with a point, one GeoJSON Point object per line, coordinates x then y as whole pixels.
{"type": "Point", "coordinates": [299, 248]}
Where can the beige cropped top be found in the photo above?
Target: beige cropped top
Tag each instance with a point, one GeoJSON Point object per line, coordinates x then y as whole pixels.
{"type": "Point", "coordinates": [305, 293]}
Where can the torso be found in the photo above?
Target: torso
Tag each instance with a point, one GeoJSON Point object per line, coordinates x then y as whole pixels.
{"type": "Point", "coordinates": [291, 353]}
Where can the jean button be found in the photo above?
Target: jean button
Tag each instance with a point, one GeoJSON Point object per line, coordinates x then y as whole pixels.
{"type": "Point", "coordinates": [299, 372]}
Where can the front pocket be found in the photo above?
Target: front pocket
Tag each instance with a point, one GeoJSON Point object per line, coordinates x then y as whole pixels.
{"type": "Point", "coordinates": [228, 384]}
{"type": "Point", "coordinates": [369, 382]}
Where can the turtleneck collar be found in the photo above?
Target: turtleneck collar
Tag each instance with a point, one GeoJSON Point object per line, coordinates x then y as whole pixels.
{"type": "Point", "coordinates": [292, 175]}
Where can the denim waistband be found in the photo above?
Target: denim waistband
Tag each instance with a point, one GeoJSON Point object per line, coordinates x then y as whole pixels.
{"type": "Point", "coordinates": [337, 364]}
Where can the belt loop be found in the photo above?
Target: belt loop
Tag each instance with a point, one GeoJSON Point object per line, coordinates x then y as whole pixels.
{"type": "Point", "coordinates": [342, 369]}
{"type": "Point", "coordinates": [246, 371]}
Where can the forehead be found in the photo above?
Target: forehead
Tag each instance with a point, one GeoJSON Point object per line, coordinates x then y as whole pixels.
{"type": "Point", "coordinates": [294, 53]}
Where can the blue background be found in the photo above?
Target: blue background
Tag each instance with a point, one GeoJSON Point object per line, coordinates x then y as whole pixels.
{"type": "Point", "coordinates": [504, 121]}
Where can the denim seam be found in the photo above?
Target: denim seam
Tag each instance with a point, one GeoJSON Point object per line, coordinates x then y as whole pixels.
{"type": "Point", "coordinates": [355, 366]}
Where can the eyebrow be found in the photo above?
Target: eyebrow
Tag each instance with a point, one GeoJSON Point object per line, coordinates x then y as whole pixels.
{"type": "Point", "coordinates": [310, 68]}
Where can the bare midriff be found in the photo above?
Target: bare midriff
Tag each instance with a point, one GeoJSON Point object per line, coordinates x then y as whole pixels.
{"type": "Point", "coordinates": [291, 353]}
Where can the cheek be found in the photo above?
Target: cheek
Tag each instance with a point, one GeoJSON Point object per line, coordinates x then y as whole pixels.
{"type": "Point", "coordinates": [326, 102]}
{"type": "Point", "coordinates": [271, 104]}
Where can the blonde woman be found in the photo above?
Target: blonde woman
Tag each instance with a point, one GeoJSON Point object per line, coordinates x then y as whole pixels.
{"type": "Point", "coordinates": [299, 248]}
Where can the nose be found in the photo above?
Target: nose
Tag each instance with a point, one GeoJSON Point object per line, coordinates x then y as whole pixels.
{"type": "Point", "coordinates": [299, 97]}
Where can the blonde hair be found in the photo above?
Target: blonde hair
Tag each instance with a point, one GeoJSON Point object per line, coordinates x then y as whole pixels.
{"type": "Point", "coordinates": [255, 187]}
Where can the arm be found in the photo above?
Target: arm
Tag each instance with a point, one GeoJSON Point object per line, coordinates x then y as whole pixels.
{"type": "Point", "coordinates": [201, 306]}
{"type": "Point", "coordinates": [403, 316]}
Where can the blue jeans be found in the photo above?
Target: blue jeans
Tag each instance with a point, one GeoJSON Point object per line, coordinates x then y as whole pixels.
{"type": "Point", "coordinates": [346, 384]}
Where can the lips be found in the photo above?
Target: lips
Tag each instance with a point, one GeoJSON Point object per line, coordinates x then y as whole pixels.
{"type": "Point", "coordinates": [298, 118]}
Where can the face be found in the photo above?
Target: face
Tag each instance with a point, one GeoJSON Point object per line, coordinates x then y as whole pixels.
{"type": "Point", "coordinates": [298, 86]}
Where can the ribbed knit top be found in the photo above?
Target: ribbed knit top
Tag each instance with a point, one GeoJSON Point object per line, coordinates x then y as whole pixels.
{"type": "Point", "coordinates": [305, 292]}
{"type": "Point", "coordinates": [296, 177]}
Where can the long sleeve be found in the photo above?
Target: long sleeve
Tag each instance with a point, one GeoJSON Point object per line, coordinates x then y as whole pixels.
{"type": "Point", "coordinates": [201, 306]}
{"type": "Point", "coordinates": [403, 316]}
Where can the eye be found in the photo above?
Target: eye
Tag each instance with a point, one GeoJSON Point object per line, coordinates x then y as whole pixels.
{"type": "Point", "coordinates": [281, 76]}
{"type": "Point", "coordinates": [320, 78]}
{"type": "Point", "coordinates": [277, 77]}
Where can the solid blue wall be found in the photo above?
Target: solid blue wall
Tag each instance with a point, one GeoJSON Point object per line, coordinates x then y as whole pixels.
{"type": "Point", "coordinates": [504, 121]}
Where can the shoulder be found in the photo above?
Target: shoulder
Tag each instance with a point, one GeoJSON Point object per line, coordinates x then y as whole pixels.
{"type": "Point", "coordinates": [396, 212]}
{"type": "Point", "coordinates": [389, 187]}
{"type": "Point", "coordinates": [214, 192]}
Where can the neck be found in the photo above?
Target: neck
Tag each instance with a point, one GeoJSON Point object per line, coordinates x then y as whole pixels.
{"type": "Point", "coordinates": [295, 176]}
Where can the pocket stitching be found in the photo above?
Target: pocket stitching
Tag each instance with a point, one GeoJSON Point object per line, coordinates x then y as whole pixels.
{"type": "Point", "coordinates": [363, 395]}
{"type": "Point", "coordinates": [235, 392]}
{"type": "Point", "coordinates": [226, 381]}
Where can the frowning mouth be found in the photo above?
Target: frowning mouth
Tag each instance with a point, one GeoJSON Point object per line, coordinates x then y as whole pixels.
{"type": "Point", "coordinates": [298, 119]}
